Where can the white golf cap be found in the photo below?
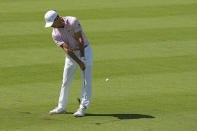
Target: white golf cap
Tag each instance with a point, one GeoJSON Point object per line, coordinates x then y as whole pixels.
{"type": "Point", "coordinates": [50, 17]}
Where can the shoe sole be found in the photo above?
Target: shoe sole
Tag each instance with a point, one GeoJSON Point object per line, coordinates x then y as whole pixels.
{"type": "Point", "coordinates": [52, 113]}
{"type": "Point", "coordinates": [78, 115]}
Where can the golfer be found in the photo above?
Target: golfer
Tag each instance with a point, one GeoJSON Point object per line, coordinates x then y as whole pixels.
{"type": "Point", "coordinates": [68, 34]}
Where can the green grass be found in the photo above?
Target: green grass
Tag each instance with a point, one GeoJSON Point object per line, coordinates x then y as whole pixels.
{"type": "Point", "coordinates": [146, 48]}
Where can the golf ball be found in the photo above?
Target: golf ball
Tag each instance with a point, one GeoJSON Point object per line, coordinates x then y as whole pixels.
{"type": "Point", "coordinates": [107, 80]}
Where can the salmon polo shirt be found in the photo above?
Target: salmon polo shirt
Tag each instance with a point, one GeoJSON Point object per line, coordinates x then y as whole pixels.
{"type": "Point", "coordinates": [66, 34]}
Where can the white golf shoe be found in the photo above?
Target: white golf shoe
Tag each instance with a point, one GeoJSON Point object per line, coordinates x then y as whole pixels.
{"type": "Point", "coordinates": [80, 112]}
{"type": "Point", "coordinates": [57, 111]}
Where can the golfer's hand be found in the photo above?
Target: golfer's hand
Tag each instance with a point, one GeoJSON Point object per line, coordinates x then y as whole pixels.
{"type": "Point", "coordinates": [82, 66]}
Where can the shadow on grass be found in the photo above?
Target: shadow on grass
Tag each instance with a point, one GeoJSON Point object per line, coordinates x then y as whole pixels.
{"type": "Point", "coordinates": [120, 116]}
{"type": "Point", "coordinates": [123, 116]}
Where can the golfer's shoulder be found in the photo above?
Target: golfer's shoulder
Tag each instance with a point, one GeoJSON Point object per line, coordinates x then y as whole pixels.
{"type": "Point", "coordinates": [70, 20]}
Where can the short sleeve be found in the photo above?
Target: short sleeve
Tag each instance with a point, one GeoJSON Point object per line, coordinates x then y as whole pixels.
{"type": "Point", "coordinates": [57, 39]}
{"type": "Point", "coordinates": [76, 25]}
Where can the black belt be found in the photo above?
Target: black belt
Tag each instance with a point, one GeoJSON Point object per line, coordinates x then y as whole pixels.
{"type": "Point", "coordinates": [79, 49]}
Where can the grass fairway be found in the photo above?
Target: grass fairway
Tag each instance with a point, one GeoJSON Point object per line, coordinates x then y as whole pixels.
{"type": "Point", "coordinates": [148, 49]}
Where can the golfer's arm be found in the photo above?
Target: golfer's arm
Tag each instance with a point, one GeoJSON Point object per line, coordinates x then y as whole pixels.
{"type": "Point", "coordinates": [78, 36]}
{"type": "Point", "coordinates": [70, 53]}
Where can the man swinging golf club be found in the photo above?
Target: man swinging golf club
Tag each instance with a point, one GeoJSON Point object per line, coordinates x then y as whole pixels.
{"type": "Point", "coordinates": [68, 34]}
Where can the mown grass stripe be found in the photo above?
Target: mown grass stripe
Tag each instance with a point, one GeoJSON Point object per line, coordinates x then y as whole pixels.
{"type": "Point", "coordinates": [126, 36]}
{"type": "Point", "coordinates": [51, 53]}
{"type": "Point", "coordinates": [121, 67]}
{"type": "Point", "coordinates": [102, 25]}
{"type": "Point", "coordinates": [107, 13]}
{"type": "Point", "coordinates": [146, 35]}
